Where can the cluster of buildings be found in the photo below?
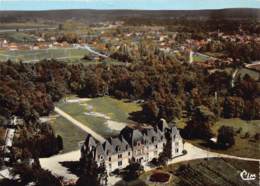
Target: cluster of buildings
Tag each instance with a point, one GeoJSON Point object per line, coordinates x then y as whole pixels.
{"type": "Point", "coordinates": [40, 43]}
{"type": "Point", "coordinates": [134, 144]}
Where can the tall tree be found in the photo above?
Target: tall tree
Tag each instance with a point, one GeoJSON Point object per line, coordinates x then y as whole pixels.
{"type": "Point", "coordinates": [226, 136]}
{"type": "Point", "coordinates": [199, 126]}
{"type": "Point", "coordinates": [92, 174]}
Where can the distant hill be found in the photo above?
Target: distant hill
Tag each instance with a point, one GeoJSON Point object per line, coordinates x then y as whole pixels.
{"type": "Point", "coordinates": [91, 16]}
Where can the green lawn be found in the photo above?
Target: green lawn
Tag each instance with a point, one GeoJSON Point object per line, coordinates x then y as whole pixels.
{"type": "Point", "coordinates": [244, 147]}
{"type": "Point", "coordinates": [117, 110]}
{"type": "Point", "coordinates": [200, 58]}
{"type": "Point", "coordinates": [20, 37]}
{"type": "Point", "coordinates": [71, 135]}
{"type": "Point", "coordinates": [30, 55]}
{"type": "Point", "coordinates": [214, 172]}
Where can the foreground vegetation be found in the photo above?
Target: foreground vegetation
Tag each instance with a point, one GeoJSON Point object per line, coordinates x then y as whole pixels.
{"type": "Point", "coordinates": [246, 137]}
{"type": "Point", "coordinates": [214, 171]}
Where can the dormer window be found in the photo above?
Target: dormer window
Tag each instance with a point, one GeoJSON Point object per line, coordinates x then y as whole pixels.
{"type": "Point", "coordinates": [117, 148]}
{"type": "Point", "coordinates": [153, 139]}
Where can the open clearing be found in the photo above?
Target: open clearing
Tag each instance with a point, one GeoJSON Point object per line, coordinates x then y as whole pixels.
{"type": "Point", "coordinates": [106, 117]}
{"type": "Point", "coordinates": [71, 134]}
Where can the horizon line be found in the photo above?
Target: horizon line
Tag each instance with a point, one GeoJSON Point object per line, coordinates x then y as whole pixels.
{"type": "Point", "coordinates": [125, 9]}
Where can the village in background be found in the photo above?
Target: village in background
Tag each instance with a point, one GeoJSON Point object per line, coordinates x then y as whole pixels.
{"type": "Point", "coordinates": [118, 97]}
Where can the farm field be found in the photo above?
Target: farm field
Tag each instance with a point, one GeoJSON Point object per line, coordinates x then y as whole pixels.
{"type": "Point", "coordinates": [107, 117]}
{"type": "Point", "coordinates": [22, 25]}
{"type": "Point", "coordinates": [34, 55]}
{"type": "Point", "coordinates": [18, 37]}
{"type": "Point", "coordinates": [214, 172]}
{"type": "Point", "coordinates": [197, 57]}
{"type": "Point", "coordinates": [215, 54]}
{"type": "Point", "coordinates": [245, 143]}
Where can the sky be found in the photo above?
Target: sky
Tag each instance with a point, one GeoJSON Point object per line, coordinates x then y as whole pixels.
{"type": "Point", "coordinates": [126, 4]}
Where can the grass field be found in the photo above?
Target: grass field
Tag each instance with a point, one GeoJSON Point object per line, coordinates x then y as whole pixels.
{"type": "Point", "coordinates": [108, 109]}
{"type": "Point", "coordinates": [200, 58]}
{"type": "Point", "coordinates": [214, 54]}
{"type": "Point", "coordinates": [71, 135]}
{"type": "Point", "coordinates": [213, 172]}
{"type": "Point", "coordinates": [20, 37]}
{"type": "Point", "coordinates": [32, 55]}
{"type": "Point", "coordinates": [244, 147]}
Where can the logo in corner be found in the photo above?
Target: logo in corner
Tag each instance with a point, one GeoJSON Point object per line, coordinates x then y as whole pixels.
{"type": "Point", "coordinates": [246, 176]}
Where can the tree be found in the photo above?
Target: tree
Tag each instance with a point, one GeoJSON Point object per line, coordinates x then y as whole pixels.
{"type": "Point", "coordinates": [233, 107]}
{"type": "Point", "coordinates": [92, 174]}
{"type": "Point", "coordinates": [226, 136]}
{"type": "Point", "coordinates": [199, 126]}
{"type": "Point", "coordinates": [35, 174]}
{"type": "Point", "coordinates": [59, 142]}
{"type": "Point", "coordinates": [133, 171]}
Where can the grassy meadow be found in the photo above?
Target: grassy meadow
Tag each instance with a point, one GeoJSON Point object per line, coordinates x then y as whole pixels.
{"type": "Point", "coordinates": [107, 108]}
{"type": "Point", "coordinates": [31, 55]}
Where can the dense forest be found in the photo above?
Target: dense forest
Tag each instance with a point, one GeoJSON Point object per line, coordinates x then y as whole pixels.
{"type": "Point", "coordinates": [94, 16]}
{"type": "Point", "coordinates": [168, 88]}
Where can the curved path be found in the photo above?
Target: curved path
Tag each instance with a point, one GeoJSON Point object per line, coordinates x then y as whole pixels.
{"type": "Point", "coordinates": [194, 152]}
{"type": "Point", "coordinates": [233, 77]}
{"type": "Point", "coordinates": [53, 163]}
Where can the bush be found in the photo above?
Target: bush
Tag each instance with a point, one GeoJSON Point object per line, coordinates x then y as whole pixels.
{"type": "Point", "coordinates": [59, 142]}
{"type": "Point", "coordinates": [132, 171]}
{"type": "Point", "coordinates": [257, 136]}
{"type": "Point", "coordinates": [239, 130]}
{"type": "Point", "coordinates": [247, 135]}
{"type": "Point", "coordinates": [226, 137]}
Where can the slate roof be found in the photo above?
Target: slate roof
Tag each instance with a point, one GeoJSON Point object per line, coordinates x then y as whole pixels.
{"type": "Point", "coordinates": [128, 138]}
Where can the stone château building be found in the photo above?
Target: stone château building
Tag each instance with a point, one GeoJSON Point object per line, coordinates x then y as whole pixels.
{"type": "Point", "coordinates": [133, 144]}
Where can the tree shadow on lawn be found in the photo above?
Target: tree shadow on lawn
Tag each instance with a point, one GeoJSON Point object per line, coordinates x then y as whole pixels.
{"type": "Point", "coordinates": [212, 145]}
{"type": "Point", "coordinates": [140, 117]}
{"type": "Point", "coordinates": [206, 143]}
{"type": "Point", "coordinates": [73, 166]}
